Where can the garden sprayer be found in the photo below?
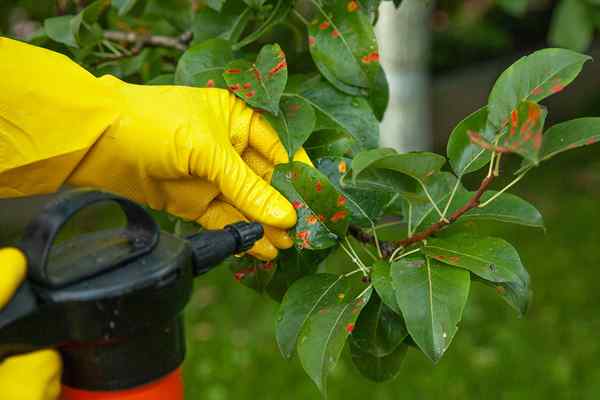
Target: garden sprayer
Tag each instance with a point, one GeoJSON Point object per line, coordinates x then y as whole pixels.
{"type": "Point", "coordinates": [111, 301]}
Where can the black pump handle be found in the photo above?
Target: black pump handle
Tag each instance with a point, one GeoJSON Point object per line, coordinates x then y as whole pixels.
{"type": "Point", "coordinates": [141, 232]}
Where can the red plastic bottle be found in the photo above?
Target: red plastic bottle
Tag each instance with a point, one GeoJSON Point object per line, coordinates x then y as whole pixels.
{"type": "Point", "coordinates": [168, 388]}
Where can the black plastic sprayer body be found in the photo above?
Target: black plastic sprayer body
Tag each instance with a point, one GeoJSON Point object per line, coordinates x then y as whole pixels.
{"type": "Point", "coordinates": [111, 301]}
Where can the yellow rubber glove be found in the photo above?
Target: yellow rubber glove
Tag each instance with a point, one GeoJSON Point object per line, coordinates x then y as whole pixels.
{"type": "Point", "coordinates": [172, 148]}
{"type": "Point", "coordinates": [34, 376]}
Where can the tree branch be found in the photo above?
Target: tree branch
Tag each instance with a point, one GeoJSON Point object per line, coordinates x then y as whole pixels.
{"type": "Point", "coordinates": [388, 247]}
{"type": "Point", "coordinates": [180, 42]}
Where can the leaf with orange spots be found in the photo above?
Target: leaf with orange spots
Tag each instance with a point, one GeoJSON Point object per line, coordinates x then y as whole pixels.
{"type": "Point", "coordinates": [532, 78]}
{"type": "Point", "coordinates": [344, 47]}
{"type": "Point", "coordinates": [294, 124]}
{"type": "Point", "coordinates": [317, 315]}
{"type": "Point", "coordinates": [567, 136]}
{"type": "Point", "coordinates": [251, 272]}
{"type": "Point", "coordinates": [492, 259]}
{"type": "Point", "coordinates": [522, 134]}
{"type": "Point", "coordinates": [202, 65]}
{"type": "Point", "coordinates": [365, 206]}
{"type": "Point", "coordinates": [302, 184]}
{"type": "Point", "coordinates": [260, 84]}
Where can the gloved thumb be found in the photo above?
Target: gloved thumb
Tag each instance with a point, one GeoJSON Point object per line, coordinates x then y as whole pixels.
{"type": "Point", "coordinates": [244, 189]}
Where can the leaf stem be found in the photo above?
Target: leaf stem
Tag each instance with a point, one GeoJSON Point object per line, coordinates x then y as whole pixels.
{"type": "Point", "coordinates": [406, 254]}
{"type": "Point", "coordinates": [452, 194]}
{"type": "Point", "coordinates": [433, 203]}
{"type": "Point", "coordinates": [494, 197]}
{"type": "Point", "coordinates": [409, 229]}
{"type": "Point", "coordinates": [300, 17]}
{"type": "Point", "coordinates": [399, 249]}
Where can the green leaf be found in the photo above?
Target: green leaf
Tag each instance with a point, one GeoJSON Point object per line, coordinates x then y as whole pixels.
{"type": "Point", "coordinates": [432, 297]}
{"type": "Point", "coordinates": [571, 25]}
{"type": "Point", "coordinates": [338, 261]}
{"type": "Point", "coordinates": [490, 258]}
{"type": "Point", "coordinates": [322, 214]}
{"type": "Point", "coordinates": [524, 133]}
{"type": "Point", "coordinates": [440, 187]}
{"type": "Point", "coordinates": [464, 155]}
{"type": "Point", "coordinates": [365, 206]}
{"type": "Point", "coordinates": [323, 336]}
{"type": "Point", "coordinates": [260, 85]}
{"type": "Point", "coordinates": [294, 124]}
{"type": "Point", "coordinates": [343, 46]}
{"type": "Point", "coordinates": [379, 95]}
{"type": "Point", "coordinates": [216, 5]}
{"type": "Point", "coordinates": [178, 13]}
{"type": "Point", "coordinates": [278, 13]}
{"type": "Point", "coordinates": [378, 369]}
{"type": "Point", "coordinates": [327, 143]}
{"type": "Point", "coordinates": [227, 24]}
{"type": "Point", "coordinates": [507, 208]}
{"type": "Point", "coordinates": [164, 79]}
{"type": "Point", "coordinates": [352, 114]}
{"type": "Point", "coordinates": [202, 65]}
{"type": "Point", "coordinates": [251, 272]}
{"type": "Point", "coordinates": [566, 136]}
{"type": "Point", "coordinates": [293, 264]}
{"type": "Point", "coordinates": [532, 78]}
{"type": "Point", "coordinates": [62, 29]}
{"type": "Point", "coordinates": [382, 282]}
{"type": "Point", "coordinates": [379, 330]}
{"type": "Point", "coordinates": [516, 8]}
{"type": "Point", "coordinates": [123, 6]}
{"type": "Point", "coordinates": [391, 169]}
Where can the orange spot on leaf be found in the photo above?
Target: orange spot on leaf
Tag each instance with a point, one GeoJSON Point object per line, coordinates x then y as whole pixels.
{"type": "Point", "coordinates": [247, 85]}
{"type": "Point", "coordinates": [318, 186]}
{"type": "Point", "coordinates": [558, 87]}
{"type": "Point", "coordinates": [297, 204]}
{"type": "Point", "coordinates": [350, 327]}
{"type": "Point", "coordinates": [537, 91]}
{"type": "Point", "coordinates": [339, 216]}
{"type": "Point", "coordinates": [342, 167]}
{"type": "Point", "coordinates": [234, 88]}
{"type": "Point", "coordinates": [232, 71]}
{"type": "Point", "coordinates": [591, 141]}
{"type": "Point", "coordinates": [250, 94]}
{"type": "Point", "coordinates": [341, 201]}
{"type": "Point", "coordinates": [210, 83]}
{"type": "Point", "coordinates": [352, 6]}
{"type": "Point", "coordinates": [311, 219]}
{"type": "Point", "coordinates": [324, 25]}
{"type": "Point", "coordinates": [311, 40]}
{"type": "Point", "coordinates": [335, 33]}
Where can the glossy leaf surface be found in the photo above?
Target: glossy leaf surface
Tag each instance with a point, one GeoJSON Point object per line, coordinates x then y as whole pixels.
{"type": "Point", "coordinates": [432, 297]}
{"type": "Point", "coordinates": [260, 84]}
{"type": "Point", "coordinates": [321, 208]}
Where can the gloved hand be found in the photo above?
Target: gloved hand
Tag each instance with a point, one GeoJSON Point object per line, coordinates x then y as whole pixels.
{"type": "Point", "coordinates": [172, 148]}
{"type": "Point", "coordinates": [34, 376]}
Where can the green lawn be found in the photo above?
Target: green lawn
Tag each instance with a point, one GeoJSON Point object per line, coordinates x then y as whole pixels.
{"type": "Point", "coordinates": [553, 353]}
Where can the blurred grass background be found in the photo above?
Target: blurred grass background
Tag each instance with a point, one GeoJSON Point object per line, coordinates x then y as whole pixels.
{"type": "Point", "coordinates": [554, 352]}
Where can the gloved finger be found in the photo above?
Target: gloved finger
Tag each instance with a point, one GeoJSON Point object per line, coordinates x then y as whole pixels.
{"type": "Point", "coordinates": [219, 214]}
{"type": "Point", "coordinates": [14, 269]}
{"type": "Point", "coordinates": [186, 198]}
{"type": "Point", "coordinates": [243, 188]}
{"type": "Point", "coordinates": [31, 376]}
{"type": "Point", "coordinates": [265, 140]}
{"type": "Point", "coordinates": [278, 237]}
{"type": "Point", "coordinates": [263, 168]}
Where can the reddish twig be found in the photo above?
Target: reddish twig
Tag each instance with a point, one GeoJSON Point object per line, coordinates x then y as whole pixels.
{"type": "Point", "coordinates": [389, 247]}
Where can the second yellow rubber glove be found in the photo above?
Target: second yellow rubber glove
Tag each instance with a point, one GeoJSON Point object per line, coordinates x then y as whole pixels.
{"type": "Point", "coordinates": [34, 376]}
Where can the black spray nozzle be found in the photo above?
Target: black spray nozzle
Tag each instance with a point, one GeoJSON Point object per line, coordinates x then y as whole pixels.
{"type": "Point", "coordinates": [212, 247]}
